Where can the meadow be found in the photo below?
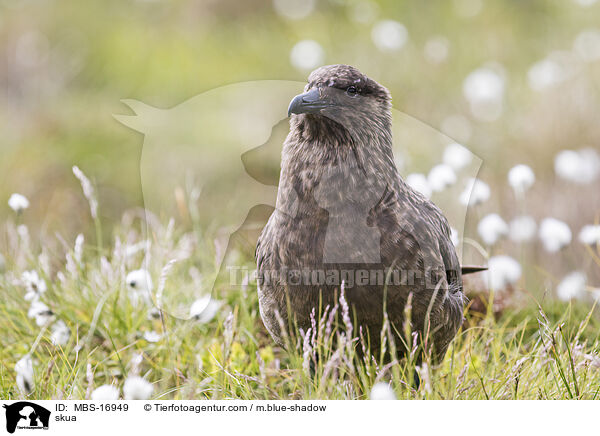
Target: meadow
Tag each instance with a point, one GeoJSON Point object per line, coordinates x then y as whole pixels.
{"type": "Point", "coordinates": [100, 337]}
{"type": "Point", "coordinates": [495, 119]}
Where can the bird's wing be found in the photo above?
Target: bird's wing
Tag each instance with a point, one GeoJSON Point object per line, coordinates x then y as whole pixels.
{"type": "Point", "coordinates": [440, 228]}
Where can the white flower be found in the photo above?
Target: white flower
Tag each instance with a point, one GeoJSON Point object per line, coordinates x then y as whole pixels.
{"type": "Point", "coordinates": [502, 272]}
{"type": "Point", "coordinates": [585, 3]}
{"type": "Point", "coordinates": [294, 9]}
{"type": "Point", "coordinates": [140, 285]}
{"type": "Point", "coordinates": [136, 388]}
{"type": "Point", "coordinates": [436, 49]}
{"type": "Point", "coordinates": [590, 235]}
{"type": "Point", "coordinates": [554, 234]}
{"type": "Point", "coordinates": [557, 67]}
{"type": "Point", "coordinates": [545, 73]}
{"type": "Point", "coordinates": [40, 312]}
{"type": "Point", "coordinates": [204, 309]}
{"type": "Point", "coordinates": [587, 45]}
{"type": "Point", "coordinates": [567, 165]}
{"type": "Point", "coordinates": [153, 313]}
{"type": "Point", "coordinates": [521, 178]}
{"type": "Point", "coordinates": [306, 55]}
{"type": "Point", "coordinates": [60, 334]}
{"type": "Point", "coordinates": [484, 90]}
{"type": "Point", "coordinates": [419, 183]}
{"type": "Point", "coordinates": [454, 237]}
{"type": "Point", "coordinates": [382, 391]}
{"type": "Point", "coordinates": [572, 286]}
{"type": "Point", "coordinates": [475, 192]}
{"type": "Point", "coordinates": [105, 393]}
{"type": "Point", "coordinates": [18, 202]}
{"type": "Point", "coordinates": [457, 156]}
{"type": "Point", "coordinates": [24, 370]}
{"type": "Point", "coordinates": [522, 228]}
{"type": "Point", "coordinates": [139, 280]}
{"type": "Point", "coordinates": [582, 166]}
{"type": "Point", "coordinates": [34, 285]}
{"type": "Point", "coordinates": [389, 35]}
{"type": "Point", "coordinates": [440, 177]}
{"type": "Point", "coordinates": [491, 228]}
{"type": "Point", "coordinates": [152, 336]}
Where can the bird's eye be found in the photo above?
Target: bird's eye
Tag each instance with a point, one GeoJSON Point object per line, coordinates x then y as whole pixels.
{"type": "Point", "coordinates": [351, 91]}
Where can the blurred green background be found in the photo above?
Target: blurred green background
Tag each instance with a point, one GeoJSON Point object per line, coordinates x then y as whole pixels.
{"type": "Point", "coordinates": [515, 81]}
{"type": "Point", "coordinates": [67, 64]}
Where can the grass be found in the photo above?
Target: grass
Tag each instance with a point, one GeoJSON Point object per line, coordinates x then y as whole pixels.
{"type": "Point", "coordinates": [526, 353]}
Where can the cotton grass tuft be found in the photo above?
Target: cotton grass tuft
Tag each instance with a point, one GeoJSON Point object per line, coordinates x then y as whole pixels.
{"type": "Point", "coordinates": [492, 228]}
{"type": "Point", "coordinates": [137, 388]}
{"type": "Point", "coordinates": [555, 234]}
{"type": "Point", "coordinates": [502, 272]}
{"type": "Point", "coordinates": [204, 309]}
{"type": "Point", "coordinates": [105, 393]}
{"type": "Point", "coordinates": [60, 334]}
{"type": "Point", "coordinates": [18, 203]}
{"type": "Point", "coordinates": [521, 178]}
{"type": "Point", "coordinates": [581, 166]}
{"type": "Point", "coordinates": [590, 235]}
{"type": "Point", "coordinates": [572, 286]}
{"type": "Point", "coordinates": [522, 229]}
{"type": "Point", "coordinates": [457, 156]}
{"type": "Point", "coordinates": [441, 177]}
{"type": "Point", "coordinates": [382, 391]}
{"type": "Point", "coordinates": [24, 370]}
{"type": "Point", "coordinates": [475, 192]}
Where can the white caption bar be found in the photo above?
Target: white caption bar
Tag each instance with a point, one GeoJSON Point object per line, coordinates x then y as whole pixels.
{"type": "Point", "coordinates": [297, 417]}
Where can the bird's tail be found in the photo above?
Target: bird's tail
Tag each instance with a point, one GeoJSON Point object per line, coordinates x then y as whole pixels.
{"type": "Point", "coordinates": [470, 269]}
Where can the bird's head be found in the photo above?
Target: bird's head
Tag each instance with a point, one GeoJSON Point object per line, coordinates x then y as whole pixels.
{"type": "Point", "coordinates": [342, 95]}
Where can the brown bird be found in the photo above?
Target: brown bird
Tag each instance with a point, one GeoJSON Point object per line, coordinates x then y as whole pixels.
{"type": "Point", "coordinates": [344, 215]}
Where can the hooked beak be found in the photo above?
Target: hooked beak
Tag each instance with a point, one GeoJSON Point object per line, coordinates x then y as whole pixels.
{"type": "Point", "coordinates": [308, 103]}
